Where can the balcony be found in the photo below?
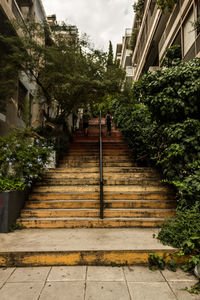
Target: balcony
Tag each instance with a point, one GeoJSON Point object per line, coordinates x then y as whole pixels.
{"type": "Point", "coordinates": [148, 24]}
{"type": "Point", "coordinates": [128, 31]}
{"type": "Point", "coordinates": [169, 26]}
{"type": "Point", "coordinates": [24, 3]}
{"type": "Point", "coordinates": [16, 11]}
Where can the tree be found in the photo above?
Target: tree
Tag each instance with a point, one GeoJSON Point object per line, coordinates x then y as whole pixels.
{"type": "Point", "coordinates": [9, 64]}
{"type": "Point", "coordinates": [114, 74]}
{"type": "Point", "coordinates": [110, 55]}
{"type": "Point", "coordinates": [67, 71]}
{"type": "Point", "coordinates": [172, 56]}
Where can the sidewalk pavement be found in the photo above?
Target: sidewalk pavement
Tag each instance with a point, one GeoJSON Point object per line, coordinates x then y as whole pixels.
{"type": "Point", "coordinates": [94, 283]}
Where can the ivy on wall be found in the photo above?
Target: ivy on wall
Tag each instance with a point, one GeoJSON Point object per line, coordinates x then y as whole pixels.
{"type": "Point", "coordinates": [138, 8]}
{"type": "Point", "coordinates": [133, 39]}
{"type": "Point", "coordinates": [166, 4]}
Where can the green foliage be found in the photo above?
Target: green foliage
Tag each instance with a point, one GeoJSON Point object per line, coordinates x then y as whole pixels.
{"type": "Point", "coordinates": [110, 55]}
{"type": "Point", "coordinates": [134, 120]}
{"type": "Point", "coordinates": [196, 25]}
{"type": "Point", "coordinates": [67, 70]}
{"type": "Point", "coordinates": [166, 4]}
{"type": "Point", "coordinates": [195, 289]}
{"type": "Point", "coordinates": [183, 232]}
{"type": "Point", "coordinates": [11, 184]}
{"type": "Point", "coordinates": [172, 265]}
{"type": "Point", "coordinates": [172, 56]}
{"type": "Point", "coordinates": [138, 8]}
{"type": "Point", "coordinates": [9, 66]}
{"type": "Point", "coordinates": [16, 226]}
{"type": "Point", "coordinates": [103, 106]}
{"type": "Point", "coordinates": [156, 262]}
{"type": "Point", "coordinates": [133, 39]}
{"type": "Point", "coordinates": [172, 95]}
{"type": "Point", "coordinates": [23, 154]}
{"type": "Point", "coordinates": [26, 111]}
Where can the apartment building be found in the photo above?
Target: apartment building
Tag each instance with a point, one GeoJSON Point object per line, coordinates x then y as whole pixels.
{"type": "Point", "coordinates": [11, 115]}
{"type": "Point", "coordinates": [157, 31]}
{"type": "Point", "coordinates": [69, 31]}
{"type": "Point", "coordinates": [124, 55]}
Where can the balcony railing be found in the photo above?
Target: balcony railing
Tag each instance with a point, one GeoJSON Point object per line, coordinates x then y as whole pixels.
{"type": "Point", "coordinates": [16, 11]}
{"type": "Point", "coordinates": [128, 31]}
{"type": "Point", "coordinates": [190, 54]}
{"type": "Point", "coordinates": [169, 26]}
{"type": "Point", "coordinates": [198, 44]}
{"type": "Point", "coordinates": [145, 33]}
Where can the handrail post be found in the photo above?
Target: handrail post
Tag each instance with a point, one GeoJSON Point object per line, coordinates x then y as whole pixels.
{"type": "Point", "coordinates": [101, 169]}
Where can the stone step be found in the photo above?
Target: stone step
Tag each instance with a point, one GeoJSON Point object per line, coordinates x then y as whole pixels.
{"type": "Point", "coordinates": [44, 196]}
{"type": "Point", "coordinates": [68, 189]}
{"type": "Point", "coordinates": [92, 213]}
{"type": "Point", "coordinates": [113, 170]}
{"type": "Point", "coordinates": [95, 153]}
{"type": "Point", "coordinates": [68, 181]}
{"type": "Point", "coordinates": [63, 196]}
{"type": "Point", "coordinates": [114, 176]}
{"type": "Point", "coordinates": [77, 170]}
{"type": "Point", "coordinates": [96, 181]}
{"type": "Point", "coordinates": [70, 175]}
{"type": "Point", "coordinates": [95, 188]}
{"type": "Point", "coordinates": [79, 164]}
{"type": "Point", "coordinates": [59, 247]}
{"type": "Point", "coordinates": [83, 164]}
{"type": "Point", "coordinates": [63, 204]}
{"type": "Point", "coordinates": [93, 158]}
{"type": "Point", "coordinates": [95, 133]}
{"type": "Point", "coordinates": [90, 222]}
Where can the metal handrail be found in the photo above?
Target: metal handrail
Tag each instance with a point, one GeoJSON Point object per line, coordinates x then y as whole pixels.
{"type": "Point", "coordinates": [101, 168]}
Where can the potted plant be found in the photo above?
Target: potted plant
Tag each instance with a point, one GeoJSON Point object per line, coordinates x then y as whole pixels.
{"type": "Point", "coordinates": [23, 155]}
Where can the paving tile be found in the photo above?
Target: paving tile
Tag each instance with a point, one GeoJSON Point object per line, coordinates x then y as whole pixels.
{"type": "Point", "coordinates": [23, 291]}
{"type": "Point", "coordinates": [150, 291]}
{"type": "Point", "coordinates": [105, 273]}
{"type": "Point", "coordinates": [63, 291]}
{"type": "Point", "coordinates": [107, 291]}
{"type": "Point", "coordinates": [69, 273]}
{"type": "Point", "coordinates": [142, 274]}
{"type": "Point", "coordinates": [5, 273]}
{"type": "Point", "coordinates": [179, 275]}
{"type": "Point", "coordinates": [178, 288]}
{"type": "Point", "coordinates": [29, 274]}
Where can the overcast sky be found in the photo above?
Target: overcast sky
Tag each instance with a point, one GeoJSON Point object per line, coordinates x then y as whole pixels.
{"type": "Point", "coordinates": [102, 20]}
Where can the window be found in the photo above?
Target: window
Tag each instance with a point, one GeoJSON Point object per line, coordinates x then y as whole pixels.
{"type": "Point", "coordinates": [22, 94]}
{"type": "Point", "coordinates": [188, 32]}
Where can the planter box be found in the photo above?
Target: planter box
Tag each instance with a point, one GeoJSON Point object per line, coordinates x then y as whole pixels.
{"type": "Point", "coordinates": [11, 203]}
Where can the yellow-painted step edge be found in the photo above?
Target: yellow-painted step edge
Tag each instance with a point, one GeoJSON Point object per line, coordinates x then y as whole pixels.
{"type": "Point", "coordinates": [72, 258]}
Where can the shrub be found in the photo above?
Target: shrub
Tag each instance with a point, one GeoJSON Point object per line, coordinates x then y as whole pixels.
{"type": "Point", "coordinates": [134, 120]}
{"type": "Point", "coordinates": [183, 232]}
{"type": "Point", "coordinates": [23, 154]}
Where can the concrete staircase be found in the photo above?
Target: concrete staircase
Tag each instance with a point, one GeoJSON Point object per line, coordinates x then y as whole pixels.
{"type": "Point", "coordinates": [68, 197]}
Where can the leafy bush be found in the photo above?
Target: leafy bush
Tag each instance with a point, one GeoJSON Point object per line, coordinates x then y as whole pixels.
{"type": "Point", "coordinates": [156, 262]}
{"type": "Point", "coordinates": [23, 154]}
{"type": "Point", "coordinates": [172, 95]}
{"type": "Point", "coordinates": [166, 4]}
{"type": "Point", "coordinates": [134, 120]}
{"type": "Point", "coordinates": [172, 56]}
{"type": "Point", "coordinates": [161, 123]}
{"type": "Point", "coordinates": [138, 8]}
{"type": "Point", "coordinates": [183, 232]}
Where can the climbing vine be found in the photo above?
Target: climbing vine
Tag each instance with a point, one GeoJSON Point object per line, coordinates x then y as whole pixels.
{"type": "Point", "coordinates": [133, 39]}
{"type": "Point", "coordinates": [138, 8]}
{"type": "Point", "coordinates": [166, 4]}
